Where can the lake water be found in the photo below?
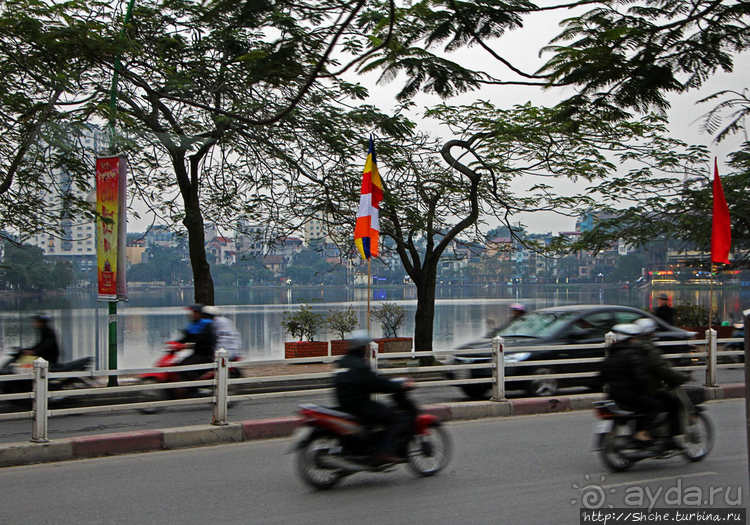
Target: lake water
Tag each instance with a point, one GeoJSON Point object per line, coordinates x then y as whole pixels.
{"type": "Point", "coordinates": [151, 317]}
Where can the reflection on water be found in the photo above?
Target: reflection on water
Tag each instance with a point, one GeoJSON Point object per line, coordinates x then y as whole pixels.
{"type": "Point", "coordinates": [152, 317]}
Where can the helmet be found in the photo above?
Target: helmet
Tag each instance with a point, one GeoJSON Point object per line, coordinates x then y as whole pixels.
{"type": "Point", "coordinates": [44, 318]}
{"type": "Point", "coordinates": [195, 308]}
{"type": "Point", "coordinates": [518, 307]}
{"type": "Point", "coordinates": [647, 325]}
{"type": "Point", "coordinates": [625, 331]}
{"type": "Point", "coordinates": [209, 310]}
{"type": "Point", "coordinates": [359, 339]}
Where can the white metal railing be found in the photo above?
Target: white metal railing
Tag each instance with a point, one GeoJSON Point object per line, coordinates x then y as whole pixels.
{"type": "Point", "coordinates": [221, 382]}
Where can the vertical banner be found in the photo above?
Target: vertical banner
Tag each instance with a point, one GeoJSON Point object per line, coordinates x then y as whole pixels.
{"type": "Point", "coordinates": [111, 227]}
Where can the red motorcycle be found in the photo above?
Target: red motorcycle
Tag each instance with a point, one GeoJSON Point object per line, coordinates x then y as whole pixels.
{"type": "Point", "coordinates": [336, 444]}
{"type": "Point", "coordinates": [175, 352]}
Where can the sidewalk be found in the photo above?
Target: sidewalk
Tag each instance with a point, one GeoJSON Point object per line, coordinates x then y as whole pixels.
{"type": "Point", "coordinates": [188, 437]}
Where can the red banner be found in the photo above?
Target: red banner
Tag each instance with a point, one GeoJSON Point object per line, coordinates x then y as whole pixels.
{"type": "Point", "coordinates": [111, 175]}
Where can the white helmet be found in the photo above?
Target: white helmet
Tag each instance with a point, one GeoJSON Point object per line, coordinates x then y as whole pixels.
{"type": "Point", "coordinates": [625, 331]}
{"type": "Point", "coordinates": [210, 310]}
{"type": "Point", "coordinates": [647, 325]}
{"type": "Point", "coordinates": [517, 307]}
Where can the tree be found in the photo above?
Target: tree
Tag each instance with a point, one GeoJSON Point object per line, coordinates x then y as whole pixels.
{"type": "Point", "coordinates": [681, 215]}
{"type": "Point", "coordinates": [307, 267]}
{"type": "Point", "coordinates": [26, 268]}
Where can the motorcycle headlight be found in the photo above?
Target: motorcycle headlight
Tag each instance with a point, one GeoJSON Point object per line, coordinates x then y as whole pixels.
{"type": "Point", "coordinates": [515, 357]}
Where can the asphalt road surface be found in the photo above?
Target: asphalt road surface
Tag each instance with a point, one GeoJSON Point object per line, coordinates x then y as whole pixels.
{"type": "Point", "coordinates": [520, 470]}
{"type": "Point", "coordinates": [18, 431]}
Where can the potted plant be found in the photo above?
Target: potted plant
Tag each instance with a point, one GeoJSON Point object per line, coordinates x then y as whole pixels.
{"type": "Point", "coordinates": [304, 324]}
{"type": "Point", "coordinates": [695, 319]}
{"type": "Point", "coordinates": [391, 317]}
{"type": "Point", "coordinates": [342, 323]}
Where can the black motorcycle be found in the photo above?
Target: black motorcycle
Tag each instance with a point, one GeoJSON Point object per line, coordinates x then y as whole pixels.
{"type": "Point", "coordinates": [335, 444]}
{"type": "Point", "coordinates": [613, 434]}
{"type": "Point", "coordinates": [55, 383]}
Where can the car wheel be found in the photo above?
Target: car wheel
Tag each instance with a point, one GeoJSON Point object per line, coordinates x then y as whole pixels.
{"type": "Point", "coordinates": [542, 387]}
{"type": "Point", "coordinates": [475, 391]}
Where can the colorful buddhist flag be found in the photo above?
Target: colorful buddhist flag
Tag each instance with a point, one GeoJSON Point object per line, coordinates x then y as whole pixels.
{"type": "Point", "coordinates": [367, 230]}
{"type": "Point", "coordinates": [721, 233]}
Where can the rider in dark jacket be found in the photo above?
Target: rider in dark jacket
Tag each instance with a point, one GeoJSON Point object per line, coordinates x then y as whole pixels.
{"type": "Point", "coordinates": [625, 373]}
{"type": "Point", "coordinates": [355, 382]}
{"type": "Point", "coordinates": [46, 346]}
{"type": "Point", "coordinates": [200, 332]}
{"type": "Point", "coordinates": [662, 377]}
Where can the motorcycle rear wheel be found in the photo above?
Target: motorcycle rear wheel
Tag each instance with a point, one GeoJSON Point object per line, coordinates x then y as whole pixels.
{"type": "Point", "coordinates": [699, 438]}
{"type": "Point", "coordinates": [430, 452]}
{"type": "Point", "coordinates": [311, 462]}
{"type": "Point", "coordinates": [148, 396]}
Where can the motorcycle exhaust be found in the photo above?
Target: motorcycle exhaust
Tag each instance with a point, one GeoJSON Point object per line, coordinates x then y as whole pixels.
{"type": "Point", "coordinates": [337, 463]}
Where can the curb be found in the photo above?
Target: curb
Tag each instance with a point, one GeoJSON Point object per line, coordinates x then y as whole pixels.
{"type": "Point", "coordinates": [17, 454]}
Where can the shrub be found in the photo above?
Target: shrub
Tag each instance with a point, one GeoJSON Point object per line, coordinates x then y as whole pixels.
{"type": "Point", "coordinates": [391, 317]}
{"type": "Point", "coordinates": [304, 323]}
{"type": "Point", "coordinates": [343, 321]}
{"type": "Point", "coordinates": [694, 315]}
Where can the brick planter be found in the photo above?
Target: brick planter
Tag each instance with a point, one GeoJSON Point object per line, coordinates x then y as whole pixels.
{"type": "Point", "coordinates": [394, 344]}
{"type": "Point", "coordinates": [339, 347]}
{"type": "Point", "coordinates": [296, 349]}
{"type": "Point", "coordinates": [722, 332]}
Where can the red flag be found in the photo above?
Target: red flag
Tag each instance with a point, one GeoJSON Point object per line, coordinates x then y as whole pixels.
{"type": "Point", "coordinates": [721, 234]}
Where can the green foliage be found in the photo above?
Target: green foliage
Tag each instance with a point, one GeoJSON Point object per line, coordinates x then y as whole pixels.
{"type": "Point", "coordinates": [164, 264]}
{"type": "Point", "coordinates": [391, 317]}
{"type": "Point", "coordinates": [26, 268]}
{"type": "Point", "coordinates": [303, 323]}
{"type": "Point", "coordinates": [632, 55]}
{"type": "Point", "coordinates": [687, 314]}
{"type": "Point", "coordinates": [343, 321]}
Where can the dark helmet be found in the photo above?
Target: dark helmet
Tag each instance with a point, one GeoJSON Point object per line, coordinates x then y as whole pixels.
{"type": "Point", "coordinates": [197, 308]}
{"type": "Point", "coordinates": [42, 318]}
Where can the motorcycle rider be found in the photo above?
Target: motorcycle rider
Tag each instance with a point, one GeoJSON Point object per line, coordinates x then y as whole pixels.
{"type": "Point", "coordinates": [200, 332]}
{"type": "Point", "coordinates": [626, 376]}
{"type": "Point", "coordinates": [517, 310]}
{"type": "Point", "coordinates": [46, 346]}
{"type": "Point", "coordinates": [662, 378]}
{"type": "Point", "coordinates": [355, 382]}
{"type": "Point", "coordinates": [227, 336]}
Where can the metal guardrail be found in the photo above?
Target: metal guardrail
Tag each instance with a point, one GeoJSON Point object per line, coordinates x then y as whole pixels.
{"type": "Point", "coordinates": [221, 382]}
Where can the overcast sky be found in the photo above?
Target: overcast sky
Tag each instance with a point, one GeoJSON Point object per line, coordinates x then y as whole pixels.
{"type": "Point", "coordinates": [522, 47]}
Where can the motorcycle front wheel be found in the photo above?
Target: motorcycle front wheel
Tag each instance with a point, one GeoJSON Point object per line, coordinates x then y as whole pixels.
{"type": "Point", "coordinates": [430, 452]}
{"type": "Point", "coordinates": [699, 438]}
{"type": "Point", "coordinates": [312, 466]}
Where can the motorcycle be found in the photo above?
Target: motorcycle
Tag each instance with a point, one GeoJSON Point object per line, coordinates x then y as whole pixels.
{"type": "Point", "coordinates": [24, 365]}
{"type": "Point", "coordinates": [173, 355]}
{"type": "Point", "coordinates": [335, 445]}
{"type": "Point", "coordinates": [614, 430]}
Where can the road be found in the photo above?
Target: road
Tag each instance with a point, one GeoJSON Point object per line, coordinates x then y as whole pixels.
{"type": "Point", "coordinates": [17, 431]}
{"type": "Point", "coordinates": [518, 470]}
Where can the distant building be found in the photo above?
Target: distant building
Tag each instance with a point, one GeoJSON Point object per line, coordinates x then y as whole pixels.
{"type": "Point", "coordinates": [223, 249]}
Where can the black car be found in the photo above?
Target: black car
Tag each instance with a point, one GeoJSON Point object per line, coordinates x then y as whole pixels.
{"type": "Point", "coordinates": [553, 328]}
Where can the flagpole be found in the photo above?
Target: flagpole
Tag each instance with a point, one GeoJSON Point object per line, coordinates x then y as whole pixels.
{"type": "Point", "coordinates": [368, 295]}
{"type": "Point", "coordinates": [710, 380]}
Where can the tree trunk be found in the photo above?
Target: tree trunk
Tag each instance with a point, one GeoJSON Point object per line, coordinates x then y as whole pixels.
{"type": "Point", "coordinates": [425, 316]}
{"type": "Point", "coordinates": [202, 280]}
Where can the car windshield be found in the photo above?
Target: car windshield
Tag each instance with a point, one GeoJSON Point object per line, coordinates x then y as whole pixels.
{"type": "Point", "coordinates": [536, 324]}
